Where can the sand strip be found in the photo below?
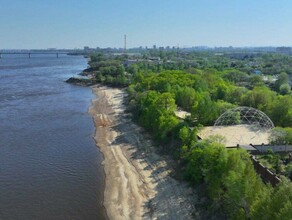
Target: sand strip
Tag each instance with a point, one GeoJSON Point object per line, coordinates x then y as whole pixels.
{"type": "Point", "coordinates": [137, 180]}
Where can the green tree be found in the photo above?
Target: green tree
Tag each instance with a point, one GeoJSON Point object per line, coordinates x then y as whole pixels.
{"type": "Point", "coordinates": [133, 69]}
{"type": "Point", "coordinates": [235, 76]}
{"type": "Point", "coordinates": [243, 186]}
{"type": "Point", "coordinates": [285, 89]}
{"type": "Point", "coordinates": [99, 77]}
{"type": "Point", "coordinates": [281, 111]}
{"type": "Point", "coordinates": [204, 109]}
{"type": "Point", "coordinates": [188, 136]}
{"type": "Point", "coordinates": [275, 203]}
{"type": "Point", "coordinates": [260, 98]}
{"type": "Point", "coordinates": [214, 168]}
{"type": "Point", "coordinates": [222, 106]}
{"type": "Point", "coordinates": [235, 94]}
{"type": "Point", "coordinates": [256, 80]}
{"type": "Point", "coordinates": [222, 90]}
{"type": "Point", "coordinates": [282, 79]}
{"type": "Point", "coordinates": [186, 97]}
{"type": "Point", "coordinates": [231, 180]}
{"type": "Point", "coordinates": [281, 136]}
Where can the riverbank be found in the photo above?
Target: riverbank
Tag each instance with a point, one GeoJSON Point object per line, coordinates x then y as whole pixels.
{"type": "Point", "coordinates": [138, 184]}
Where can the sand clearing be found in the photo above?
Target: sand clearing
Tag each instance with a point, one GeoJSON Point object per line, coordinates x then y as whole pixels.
{"type": "Point", "coordinates": [238, 134]}
{"type": "Point", "coordinates": [137, 183]}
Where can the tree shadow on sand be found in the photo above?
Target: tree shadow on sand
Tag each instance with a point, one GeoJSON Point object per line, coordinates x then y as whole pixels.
{"type": "Point", "coordinates": [174, 199]}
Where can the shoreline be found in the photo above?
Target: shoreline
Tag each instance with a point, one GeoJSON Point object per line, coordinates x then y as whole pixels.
{"type": "Point", "coordinates": [138, 184]}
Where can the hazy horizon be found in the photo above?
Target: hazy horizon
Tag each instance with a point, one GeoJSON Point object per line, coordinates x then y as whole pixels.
{"type": "Point", "coordinates": [149, 47]}
{"type": "Point", "coordinates": [74, 24]}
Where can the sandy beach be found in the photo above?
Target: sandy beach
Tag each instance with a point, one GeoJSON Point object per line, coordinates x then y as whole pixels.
{"type": "Point", "coordinates": [138, 184]}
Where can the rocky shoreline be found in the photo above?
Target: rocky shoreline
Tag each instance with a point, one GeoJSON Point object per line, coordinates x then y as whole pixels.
{"type": "Point", "coordinates": [81, 81]}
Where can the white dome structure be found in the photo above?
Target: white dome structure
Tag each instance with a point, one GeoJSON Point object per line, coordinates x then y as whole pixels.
{"type": "Point", "coordinates": [245, 115]}
{"type": "Point", "coordinates": [241, 126]}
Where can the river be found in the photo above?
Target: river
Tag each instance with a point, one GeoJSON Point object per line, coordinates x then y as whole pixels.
{"type": "Point", "coordinates": [50, 167]}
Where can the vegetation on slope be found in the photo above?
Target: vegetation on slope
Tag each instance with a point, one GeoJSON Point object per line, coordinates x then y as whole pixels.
{"type": "Point", "coordinates": [156, 91]}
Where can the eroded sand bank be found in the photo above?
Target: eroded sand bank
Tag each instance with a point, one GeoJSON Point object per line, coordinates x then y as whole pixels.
{"type": "Point", "coordinates": [137, 183]}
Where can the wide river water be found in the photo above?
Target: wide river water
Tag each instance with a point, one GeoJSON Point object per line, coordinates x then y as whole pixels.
{"type": "Point", "coordinates": [50, 167]}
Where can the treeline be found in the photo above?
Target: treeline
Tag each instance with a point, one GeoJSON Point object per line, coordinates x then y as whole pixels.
{"type": "Point", "coordinates": [206, 94]}
{"type": "Point", "coordinates": [155, 95]}
{"type": "Point", "coordinates": [108, 71]}
{"type": "Point", "coordinates": [231, 181]}
{"type": "Point", "coordinates": [244, 70]}
{"type": "Point", "coordinates": [266, 63]}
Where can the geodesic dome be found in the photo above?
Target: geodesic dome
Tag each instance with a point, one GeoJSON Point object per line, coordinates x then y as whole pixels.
{"type": "Point", "coordinates": [245, 115]}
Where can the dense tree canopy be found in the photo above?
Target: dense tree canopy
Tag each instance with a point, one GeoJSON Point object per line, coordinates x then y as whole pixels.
{"type": "Point", "coordinates": [206, 86]}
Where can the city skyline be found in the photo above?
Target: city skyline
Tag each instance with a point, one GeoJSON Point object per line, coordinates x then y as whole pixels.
{"type": "Point", "coordinates": [75, 24]}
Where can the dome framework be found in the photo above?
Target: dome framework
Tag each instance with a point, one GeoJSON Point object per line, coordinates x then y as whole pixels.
{"type": "Point", "coordinates": [245, 115]}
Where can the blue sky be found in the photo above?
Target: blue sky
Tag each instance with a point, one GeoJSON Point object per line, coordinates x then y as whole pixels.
{"type": "Point", "coordinates": [103, 23]}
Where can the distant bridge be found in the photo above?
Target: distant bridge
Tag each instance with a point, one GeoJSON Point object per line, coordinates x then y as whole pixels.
{"type": "Point", "coordinates": [32, 53]}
